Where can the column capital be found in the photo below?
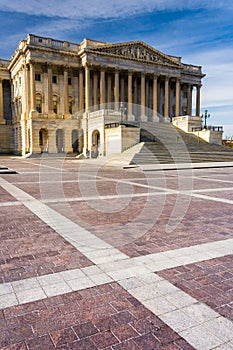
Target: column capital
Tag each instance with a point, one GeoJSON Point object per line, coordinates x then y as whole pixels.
{"type": "Point", "coordinates": [86, 66]}
{"type": "Point", "coordinates": [103, 68]}
{"type": "Point", "coordinates": [49, 65]}
{"type": "Point", "coordinates": [65, 67]}
{"type": "Point", "coordinates": [31, 62]}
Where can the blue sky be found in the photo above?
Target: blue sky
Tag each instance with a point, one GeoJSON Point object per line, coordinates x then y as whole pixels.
{"type": "Point", "coordinates": [201, 32]}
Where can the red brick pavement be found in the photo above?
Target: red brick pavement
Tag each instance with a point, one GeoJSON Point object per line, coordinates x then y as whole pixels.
{"type": "Point", "coordinates": [208, 281]}
{"type": "Point", "coordinates": [105, 317]}
{"type": "Point", "coordinates": [28, 247]}
{"type": "Point", "coordinates": [205, 221]}
{"type": "Point", "coordinates": [5, 196]}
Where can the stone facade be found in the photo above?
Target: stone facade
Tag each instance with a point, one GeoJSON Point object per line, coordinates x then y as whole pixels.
{"type": "Point", "coordinates": [49, 88]}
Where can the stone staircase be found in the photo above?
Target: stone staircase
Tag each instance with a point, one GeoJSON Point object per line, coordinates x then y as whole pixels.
{"type": "Point", "coordinates": [165, 144]}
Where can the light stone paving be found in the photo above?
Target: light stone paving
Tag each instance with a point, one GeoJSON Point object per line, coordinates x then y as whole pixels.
{"type": "Point", "coordinates": [197, 323]}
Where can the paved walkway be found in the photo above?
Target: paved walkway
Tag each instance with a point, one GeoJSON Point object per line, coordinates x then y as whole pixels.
{"type": "Point", "coordinates": [97, 257]}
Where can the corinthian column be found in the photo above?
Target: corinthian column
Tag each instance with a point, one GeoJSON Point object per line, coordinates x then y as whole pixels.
{"type": "Point", "coordinates": [166, 99]}
{"type": "Point", "coordinates": [122, 89]}
{"type": "Point", "coordinates": [189, 100]}
{"type": "Point", "coordinates": [198, 100]}
{"type": "Point", "coordinates": [95, 90]}
{"type": "Point", "coordinates": [177, 97]}
{"type": "Point", "coordinates": [135, 95]}
{"type": "Point", "coordinates": [130, 96]}
{"type": "Point", "coordinates": [102, 89]}
{"type": "Point", "coordinates": [116, 90]}
{"type": "Point", "coordinates": [143, 97]}
{"type": "Point", "coordinates": [155, 98]}
{"type": "Point", "coordinates": [109, 80]}
{"type": "Point", "coordinates": [2, 121]}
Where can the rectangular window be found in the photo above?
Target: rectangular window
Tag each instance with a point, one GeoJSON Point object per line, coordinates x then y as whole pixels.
{"type": "Point", "coordinates": [69, 81]}
{"type": "Point", "coordinates": [70, 107]}
{"type": "Point", "coordinates": [55, 107]}
{"type": "Point", "coordinates": [38, 106]}
{"type": "Point", "coordinates": [37, 77]}
{"type": "Point", "coordinates": [185, 94]}
{"type": "Point", "coordinates": [54, 79]}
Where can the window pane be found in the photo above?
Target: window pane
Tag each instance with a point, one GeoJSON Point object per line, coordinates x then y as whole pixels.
{"type": "Point", "coordinates": [55, 107]}
{"type": "Point", "coordinates": [37, 77]}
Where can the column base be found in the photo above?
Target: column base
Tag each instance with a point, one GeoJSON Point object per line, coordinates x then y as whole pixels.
{"type": "Point", "coordinates": [144, 118]}
{"type": "Point", "coordinates": [166, 120]}
{"type": "Point", "coordinates": [131, 117]}
{"type": "Point", "coordinates": [155, 119]}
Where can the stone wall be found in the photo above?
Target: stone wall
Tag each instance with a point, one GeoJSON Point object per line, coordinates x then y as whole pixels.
{"type": "Point", "coordinates": [6, 139]}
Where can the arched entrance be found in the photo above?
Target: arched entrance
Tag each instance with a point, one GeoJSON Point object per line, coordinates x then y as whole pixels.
{"type": "Point", "coordinates": [43, 140]}
{"type": "Point", "coordinates": [95, 144]}
{"type": "Point", "coordinates": [75, 141]}
{"type": "Point", "coordinates": [60, 140]}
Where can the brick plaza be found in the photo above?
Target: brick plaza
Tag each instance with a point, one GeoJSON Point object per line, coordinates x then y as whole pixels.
{"type": "Point", "coordinates": [94, 256]}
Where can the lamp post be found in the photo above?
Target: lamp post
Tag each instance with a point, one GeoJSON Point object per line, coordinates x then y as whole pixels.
{"type": "Point", "coordinates": [205, 116]}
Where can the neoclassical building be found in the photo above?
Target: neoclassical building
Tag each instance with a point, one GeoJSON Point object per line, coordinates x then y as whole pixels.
{"type": "Point", "coordinates": [55, 94]}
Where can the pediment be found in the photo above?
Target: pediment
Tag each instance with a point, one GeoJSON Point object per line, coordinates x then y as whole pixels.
{"type": "Point", "coordinates": [138, 51]}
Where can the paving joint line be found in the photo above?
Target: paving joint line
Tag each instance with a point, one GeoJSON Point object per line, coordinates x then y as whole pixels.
{"type": "Point", "coordinates": [162, 290]}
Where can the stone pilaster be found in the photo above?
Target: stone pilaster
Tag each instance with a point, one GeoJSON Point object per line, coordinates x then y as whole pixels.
{"type": "Point", "coordinates": [66, 94]}
{"type": "Point", "coordinates": [50, 90]}
{"type": "Point", "coordinates": [81, 95]}
{"type": "Point", "coordinates": [32, 87]}
{"type": "Point", "coordinates": [76, 107]}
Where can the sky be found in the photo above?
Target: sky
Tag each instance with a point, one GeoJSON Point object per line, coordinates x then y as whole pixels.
{"type": "Point", "coordinates": [200, 31]}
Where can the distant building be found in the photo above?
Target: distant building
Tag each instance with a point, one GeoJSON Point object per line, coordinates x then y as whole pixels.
{"type": "Point", "coordinates": [50, 91]}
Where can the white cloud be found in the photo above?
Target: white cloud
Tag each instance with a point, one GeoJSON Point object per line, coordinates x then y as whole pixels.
{"type": "Point", "coordinates": [103, 8]}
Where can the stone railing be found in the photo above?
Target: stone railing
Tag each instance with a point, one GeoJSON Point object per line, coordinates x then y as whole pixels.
{"type": "Point", "coordinates": [210, 128]}
{"type": "Point", "coordinates": [192, 69]}
{"type": "Point", "coordinates": [4, 63]}
{"type": "Point", "coordinates": [48, 42]}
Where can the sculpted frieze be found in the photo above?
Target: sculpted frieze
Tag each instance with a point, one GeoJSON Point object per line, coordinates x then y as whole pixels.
{"type": "Point", "coordinates": [138, 52]}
